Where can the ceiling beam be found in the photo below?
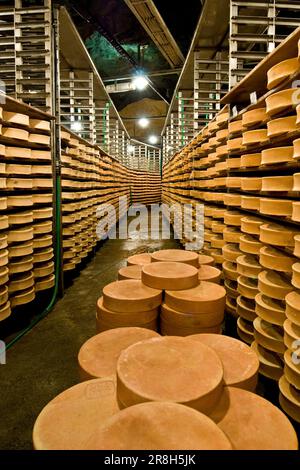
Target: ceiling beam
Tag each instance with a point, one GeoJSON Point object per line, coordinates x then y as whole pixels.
{"type": "Point", "coordinates": [149, 17]}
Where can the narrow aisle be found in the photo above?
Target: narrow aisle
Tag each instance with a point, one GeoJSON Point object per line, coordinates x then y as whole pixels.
{"type": "Point", "coordinates": [44, 362]}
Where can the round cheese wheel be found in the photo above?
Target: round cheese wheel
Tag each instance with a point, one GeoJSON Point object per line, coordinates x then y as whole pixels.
{"type": "Point", "coordinates": [250, 203]}
{"type": "Point", "coordinates": [293, 307]}
{"type": "Point", "coordinates": [154, 426]}
{"type": "Point", "coordinates": [278, 207]}
{"type": "Point", "coordinates": [296, 275]}
{"type": "Point", "coordinates": [289, 399]}
{"type": "Point", "coordinates": [230, 270]}
{"type": "Point", "coordinates": [255, 137]}
{"type": "Point", "coordinates": [277, 155]}
{"type": "Point", "coordinates": [231, 288]}
{"type": "Point", "coordinates": [280, 126]}
{"type": "Point", "coordinates": [140, 259]}
{"type": "Point", "coordinates": [231, 252]}
{"type": "Point", "coordinates": [205, 298]}
{"type": "Point", "coordinates": [250, 245]}
{"type": "Point", "coordinates": [169, 329]}
{"type": "Point", "coordinates": [251, 184]}
{"type": "Point", "coordinates": [278, 183]}
{"type": "Point", "coordinates": [281, 71]}
{"type": "Point", "coordinates": [251, 225]}
{"type": "Point", "coordinates": [260, 425]}
{"type": "Point", "coordinates": [247, 265]}
{"type": "Point", "coordinates": [240, 363]}
{"type": "Point", "coordinates": [274, 234]}
{"type": "Point", "coordinates": [131, 296]}
{"type": "Point", "coordinates": [270, 363]}
{"type": "Point", "coordinates": [291, 368]}
{"type": "Point", "coordinates": [246, 308]}
{"type": "Point", "coordinates": [291, 335]}
{"type": "Point", "coordinates": [273, 285]}
{"type": "Point", "coordinates": [251, 160]}
{"type": "Point", "coordinates": [255, 117]}
{"type": "Point", "coordinates": [284, 100]}
{"type": "Point", "coordinates": [71, 418]}
{"type": "Point", "coordinates": [245, 330]}
{"type": "Point", "coordinates": [130, 272]}
{"type": "Point", "coordinates": [170, 275]}
{"type": "Point", "coordinates": [5, 311]}
{"type": "Point", "coordinates": [170, 369]}
{"type": "Point", "coordinates": [269, 336]}
{"type": "Point", "coordinates": [272, 258]}
{"type": "Point", "coordinates": [247, 287]}
{"type": "Point", "coordinates": [209, 273]}
{"type": "Point", "coordinates": [231, 235]}
{"type": "Point", "coordinates": [98, 356]}
{"type": "Point", "coordinates": [270, 310]}
{"type": "Point", "coordinates": [178, 256]}
{"type": "Point", "coordinates": [191, 320]}
{"type": "Point", "coordinates": [296, 144]}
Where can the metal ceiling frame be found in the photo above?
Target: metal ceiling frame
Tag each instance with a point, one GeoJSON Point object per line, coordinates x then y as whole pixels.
{"type": "Point", "coordinates": [149, 17]}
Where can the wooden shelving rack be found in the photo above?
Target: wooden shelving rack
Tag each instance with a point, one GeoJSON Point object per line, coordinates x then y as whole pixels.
{"type": "Point", "coordinates": [245, 170]}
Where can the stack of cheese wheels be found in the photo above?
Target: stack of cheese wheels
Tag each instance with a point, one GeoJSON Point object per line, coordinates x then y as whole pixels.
{"type": "Point", "coordinates": [289, 383]}
{"type": "Point", "coordinates": [192, 311]}
{"type": "Point", "coordinates": [231, 252]}
{"type": "Point", "coordinates": [98, 356]}
{"type": "Point", "coordinates": [248, 268]}
{"type": "Point", "coordinates": [70, 420]}
{"type": "Point", "coordinates": [170, 369]}
{"type": "Point", "coordinates": [252, 423]}
{"type": "Point", "coordinates": [274, 283]}
{"type": "Point", "coordinates": [240, 363]}
{"type": "Point", "coordinates": [128, 303]}
{"type": "Point", "coordinates": [208, 234]}
{"type": "Point", "coordinates": [216, 239]}
{"type": "Point", "coordinates": [250, 246]}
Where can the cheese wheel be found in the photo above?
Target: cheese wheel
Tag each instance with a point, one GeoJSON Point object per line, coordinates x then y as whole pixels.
{"type": "Point", "coordinates": [284, 100]}
{"type": "Point", "coordinates": [296, 212]}
{"type": "Point", "coordinates": [248, 266]}
{"type": "Point", "coordinates": [232, 235]}
{"type": "Point", "coordinates": [289, 399]}
{"type": "Point", "coordinates": [168, 275]}
{"type": "Point", "coordinates": [249, 244]}
{"type": "Point", "coordinates": [107, 319]}
{"type": "Point", "coordinates": [154, 426]}
{"type": "Point", "coordinates": [281, 71]}
{"type": "Point", "coordinates": [270, 363]}
{"type": "Point", "coordinates": [235, 127]}
{"type": "Point", "coordinates": [231, 288]}
{"type": "Point", "coordinates": [246, 308]}
{"type": "Point", "coordinates": [178, 256]}
{"type": "Point", "coordinates": [247, 287]}
{"type": "Point", "coordinates": [270, 310]}
{"type": "Point", "coordinates": [291, 335]}
{"type": "Point", "coordinates": [255, 137]}
{"type": "Point", "coordinates": [273, 285]}
{"type": "Point", "coordinates": [274, 234]}
{"type": "Point", "coordinates": [272, 258]}
{"type": "Point", "coordinates": [280, 126]}
{"type": "Point", "coordinates": [170, 369]}
{"type": "Point", "coordinates": [240, 363]}
{"type": "Point", "coordinates": [250, 203]}
{"type": "Point", "coordinates": [267, 428]}
{"type": "Point", "coordinates": [71, 418]}
{"type": "Point", "coordinates": [291, 368]}
{"type": "Point", "coordinates": [130, 272]}
{"type": "Point", "coordinates": [209, 273]}
{"type": "Point", "coordinates": [231, 252]}
{"type": "Point", "coordinates": [206, 260]}
{"type": "Point", "coordinates": [255, 117]}
{"type": "Point", "coordinates": [98, 356]}
{"type": "Point", "coordinates": [279, 207]}
{"type": "Point", "coordinates": [293, 307]}
{"type": "Point", "coordinates": [140, 259]}
{"type": "Point", "coordinates": [251, 184]}
{"type": "Point", "coordinates": [191, 320]}
{"type": "Point", "coordinates": [5, 311]}
{"type": "Point", "coordinates": [296, 275]}
{"type": "Point", "coordinates": [278, 183]}
{"type": "Point", "coordinates": [230, 270]}
{"type": "Point", "coordinates": [131, 296]}
{"type": "Point", "coordinates": [277, 155]}
{"type": "Point", "coordinates": [251, 160]}
{"type": "Point", "coordinates": [205, 298]}
{"type": "Point", "coordinates": [268, 335]}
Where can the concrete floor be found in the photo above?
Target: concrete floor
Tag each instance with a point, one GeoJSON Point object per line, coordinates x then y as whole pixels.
{"type": "Point", "coordinates": [44, 362]}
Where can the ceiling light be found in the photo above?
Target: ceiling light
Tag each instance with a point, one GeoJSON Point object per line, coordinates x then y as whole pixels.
{"type": "Point", "coordinates": [140, 82]}
{"type": "Point", "coordinates": [76, 126]}
{"type": "Point", "coordinates": [153, 139]}
{"type": "Point", "coordinates": [144, 122]}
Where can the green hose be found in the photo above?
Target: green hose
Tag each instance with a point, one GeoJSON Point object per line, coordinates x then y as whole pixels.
{"type": "Point", "coordinates": [57, 267]}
